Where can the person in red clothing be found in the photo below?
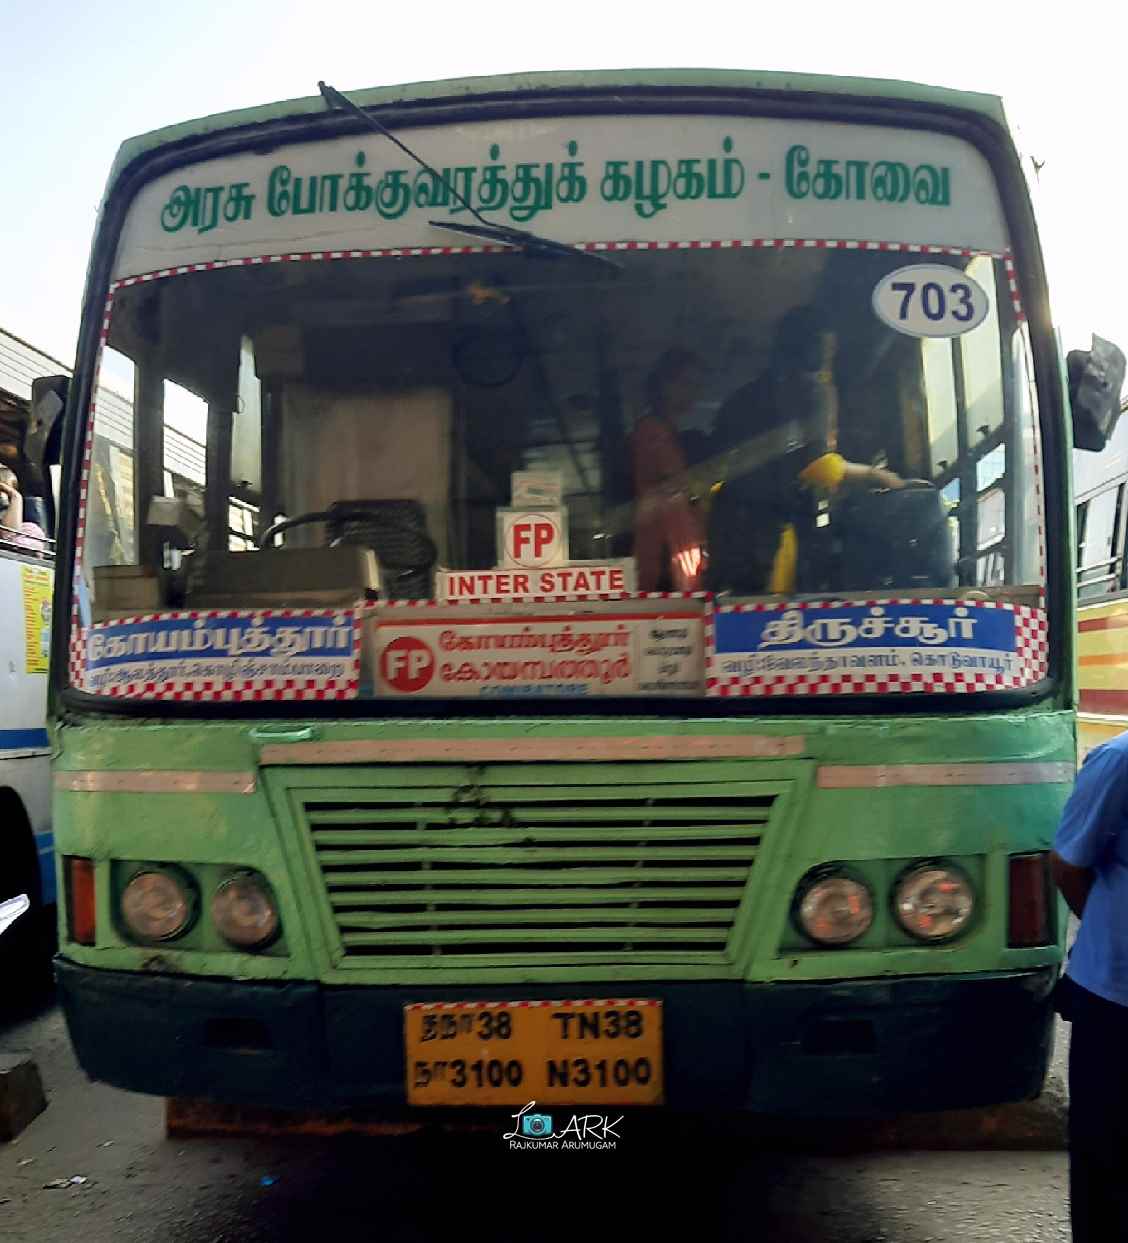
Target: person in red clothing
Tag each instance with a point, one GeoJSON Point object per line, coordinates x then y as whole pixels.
{"type": "Point", "coordinates": [669, 542]}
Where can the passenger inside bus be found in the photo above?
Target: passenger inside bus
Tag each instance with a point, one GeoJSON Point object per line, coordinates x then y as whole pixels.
{"type": "Point", "coordinates": [775, 442]}
{"type": "Point", "coordinates": [669, 535]}
{"type": "Point", "coordinates": [15, 528]}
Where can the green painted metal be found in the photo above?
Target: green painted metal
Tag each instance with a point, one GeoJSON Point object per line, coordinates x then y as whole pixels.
{"type": "Point", "coordinates": [576, 82]}
{"type": "Point", "coordinates": [468, 854]}
{"type": "Point", "coordinates": [530, 835]}
{"type": "Point", "coordinates": [606, 829]}
{"type": "Point", "coordinates": [441, 918]}
{"type": "Point", "coordinates": [516, 876]}
{"type": "Point", "coordinates": [905, 738]}
{"type": "Point", "coordinates": [878, 831]}
{"type": "Point", "coordinates": [522, 897]}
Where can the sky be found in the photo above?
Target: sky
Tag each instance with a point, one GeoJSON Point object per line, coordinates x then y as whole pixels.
{"type": "Point", "coordinates": [80, 77]}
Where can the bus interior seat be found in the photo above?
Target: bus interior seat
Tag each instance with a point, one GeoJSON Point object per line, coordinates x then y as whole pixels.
{"type": "Point", "coordinates": [281, 578]}
{"type": "Point", "coordinates": [396, 530]}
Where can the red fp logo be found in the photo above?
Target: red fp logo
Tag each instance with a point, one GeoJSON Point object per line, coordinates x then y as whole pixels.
{"type": "Point", "coordinates": [532, 540]}
{"type": "Point", "coordinates": [407, 664]}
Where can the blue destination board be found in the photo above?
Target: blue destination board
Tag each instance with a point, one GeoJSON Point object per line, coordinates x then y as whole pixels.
{"type": "Point", "coordinates": [902, 638]}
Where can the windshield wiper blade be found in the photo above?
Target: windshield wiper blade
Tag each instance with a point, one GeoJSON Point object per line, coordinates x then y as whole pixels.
{"type": "Point", "coordinates": [523, 240]}
{"type": "Point", "coordinates": [520, 239]}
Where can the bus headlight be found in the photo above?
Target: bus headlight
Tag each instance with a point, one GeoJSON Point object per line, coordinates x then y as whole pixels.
{"type": "Point", "coordinates": [833, 909]}
{"type": "Point", "coordinates": [933, 901]}
{"type": "Point", "coordinates": [156, 905]}
{"type": "Point", "coordinates": [244, 912]}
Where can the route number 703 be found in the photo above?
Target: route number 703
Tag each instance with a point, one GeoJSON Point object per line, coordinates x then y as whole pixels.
{"type": "Point", "coordinates": [930, 300]}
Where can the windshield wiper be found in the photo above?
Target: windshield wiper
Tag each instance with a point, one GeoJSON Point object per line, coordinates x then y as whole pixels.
{"type": "Point", "coordinates": [520, 239]}
{"type": "Point", "coordinates": [531, 243]}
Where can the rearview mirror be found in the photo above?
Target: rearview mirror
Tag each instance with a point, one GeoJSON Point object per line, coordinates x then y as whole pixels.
{"type": "Point", "coordinates": [43, 434]}
{"type": "Point", "coordinates": [1096, 377]}
{"type": "Point", "coordinates": [42, 442]}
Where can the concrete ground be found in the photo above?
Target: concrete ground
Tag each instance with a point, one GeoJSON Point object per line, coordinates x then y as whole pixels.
{"type": "Point", "coordinates": [142, 1187]}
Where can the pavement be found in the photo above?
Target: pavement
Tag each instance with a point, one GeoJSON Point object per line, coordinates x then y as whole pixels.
{"type": "Point", "coordinates": [1040, 1123]}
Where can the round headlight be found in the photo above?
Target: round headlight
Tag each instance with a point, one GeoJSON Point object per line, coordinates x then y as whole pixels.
{"type": "Point", "coordinates": [243, 911]}
{"type": "Point", "coordinates": [834, 910]}
{"type": "Point", "coordinates": [933, 902]}
{"type": "Point", "coordinates": [156, 906]}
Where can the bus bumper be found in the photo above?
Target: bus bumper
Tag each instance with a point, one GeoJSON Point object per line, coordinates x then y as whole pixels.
{"type": "Point", "coordinates": [845, 1048]}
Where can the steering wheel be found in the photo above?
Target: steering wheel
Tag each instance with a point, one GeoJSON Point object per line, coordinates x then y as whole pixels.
{"type": "Point", "coordinates": [359, 515]}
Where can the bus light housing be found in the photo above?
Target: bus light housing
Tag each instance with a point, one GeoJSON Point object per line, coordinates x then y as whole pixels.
{"type": "Point", "coordinates": [157, 904]}
{"type": "Point", "coordinates": [933, 901]}
{"type": "Point", "coordinates": [79, 876]}
{"type": "Point", "coordinates": [244, 911]}
{"type": "Point", "coordinates": [1028, 901]}
{"type": "Point", "coordinates": [833, 908]}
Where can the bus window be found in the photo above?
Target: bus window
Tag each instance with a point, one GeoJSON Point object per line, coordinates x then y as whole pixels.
{"type": "Point", "coordinates": [940, 386]}
{"type": "Point", "coordinates": [246, 433]}
{"type": "Point", "coordinates": [1100, 556]}
{"type": "Point", "coordinates": [982, 363]}
{"type": "Point", "coordinates": [1082, 518]}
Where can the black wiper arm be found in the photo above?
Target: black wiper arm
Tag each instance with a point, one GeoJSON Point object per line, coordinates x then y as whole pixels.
{"type": "Point", "coordinates": [521, 239]}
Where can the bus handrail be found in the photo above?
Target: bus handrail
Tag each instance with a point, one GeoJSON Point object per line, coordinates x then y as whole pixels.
{"type": "Point", "coordinates": [1116, 562]}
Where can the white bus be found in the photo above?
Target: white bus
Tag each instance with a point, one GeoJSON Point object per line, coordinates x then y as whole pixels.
{"type": "Point", "coordinates": [26, 582]}
{"type": "Point", "coordinates": [26, 574]}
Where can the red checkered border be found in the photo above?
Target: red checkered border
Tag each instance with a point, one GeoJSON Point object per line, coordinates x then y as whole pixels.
{"type": "Point", "coordinates": [1031, 648]}
{"type": "Point", "coordinates": [614, 247]}
{"type": "Point", "coordinates": [422, 252]}
{"type": "Point", "coordinates": [227, 691]}
{"type": "Point", "coordinates": [76, 657]}
{"type": "Point", "coordinates": [259, 689]}
{"type": "Point", "coordinates": [376, 606]}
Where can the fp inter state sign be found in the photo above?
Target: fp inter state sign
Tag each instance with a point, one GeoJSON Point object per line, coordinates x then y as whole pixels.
{"type": "Point", "coordinates": [531, 538]}
{"type": "Point", "coordinates": [580, 578]}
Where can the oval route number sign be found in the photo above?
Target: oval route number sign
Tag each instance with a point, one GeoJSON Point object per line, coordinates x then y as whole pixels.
{"type": "Point", "coordinates": [930, 300]}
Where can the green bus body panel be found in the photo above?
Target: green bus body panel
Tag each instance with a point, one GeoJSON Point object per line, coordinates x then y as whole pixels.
{"type": "Point", "coordinates": [516, 85]}
{"type": "Point", "coordinates": [736, 834]}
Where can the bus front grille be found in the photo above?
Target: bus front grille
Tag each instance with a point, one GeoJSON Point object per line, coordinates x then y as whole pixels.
{"type": "Point", "coordinates": [506, 875]}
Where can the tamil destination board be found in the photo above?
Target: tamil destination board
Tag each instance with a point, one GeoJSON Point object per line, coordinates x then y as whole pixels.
{"type": "Point", "coordinates": [822, 648]}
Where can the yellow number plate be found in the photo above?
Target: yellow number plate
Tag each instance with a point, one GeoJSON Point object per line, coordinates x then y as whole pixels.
{"type": "Point", "coordinates": [511, 1052]}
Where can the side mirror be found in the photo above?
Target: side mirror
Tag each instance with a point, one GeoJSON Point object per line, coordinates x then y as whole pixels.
{"type": "Point", "coordinates": [43, 434]}
{"type": "Point", "coordinates": [1096, 377]}
{"type": "Point", "coordinates": [42, 443]}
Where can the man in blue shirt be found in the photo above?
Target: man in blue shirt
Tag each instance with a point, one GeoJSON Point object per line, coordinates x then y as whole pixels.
{"type": "Point", "coordinates": [1090, 867]}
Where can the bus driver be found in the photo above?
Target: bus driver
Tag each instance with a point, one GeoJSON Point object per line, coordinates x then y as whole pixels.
{"type": "Point", "coordinates": [777, 441]}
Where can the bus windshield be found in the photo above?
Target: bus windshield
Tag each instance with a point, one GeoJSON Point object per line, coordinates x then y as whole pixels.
{"type": "Point", "coordinates": [560, 450]}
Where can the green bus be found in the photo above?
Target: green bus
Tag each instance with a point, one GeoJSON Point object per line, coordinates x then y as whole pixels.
{"type": "Point", "coordinates": [622, 650]}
